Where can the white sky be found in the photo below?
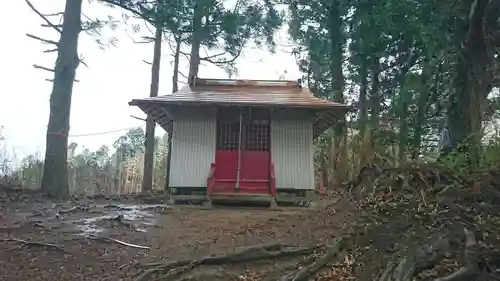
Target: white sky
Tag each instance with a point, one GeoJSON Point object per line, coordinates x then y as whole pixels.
{"type": "Point", "coordinates": [114, 77]}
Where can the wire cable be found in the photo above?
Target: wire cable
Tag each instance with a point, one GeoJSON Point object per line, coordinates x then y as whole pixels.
{"type": "Point", "coordinates": [101, 133]}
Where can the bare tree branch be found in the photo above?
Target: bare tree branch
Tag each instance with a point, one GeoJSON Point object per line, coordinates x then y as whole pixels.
{"type": "Point", "coordinates": [82, 62]}
{"type": "Point", "coordinates": [188, 56]}
{"type": "Point", "coordinates": [52, 26]}
{"type": "Point", "coordinates": [42, 16]}
{"type": "Point", "coordinates": [51, 50]}
{"type": "Point", "coordinates": [53, 14]}
{"type": "Point", "coordinates": [212, 56]}
{"type": "Point", "coordinates": [169, 41]}
{"type": "Point", "coordinates": [217, 62]}
{"type": "Point", "coordinates": [52, 80]}
{"type": "Point", "coordinates": [127, 8]}
{"type": "Point", "coordinates": [42, 40]}
{"type": "Point", "coordinates": [183, 75]}
{"type": "Point", "coordinates": [146, 39]}
{"type": "Point", "coordinates": [138, 118]}
{"type": "Point", "coordinates": [43, 68]}
{"type": "Point", "coordinates": [147, 62]}
{"type": "Point", "coordinates": [49, 70]}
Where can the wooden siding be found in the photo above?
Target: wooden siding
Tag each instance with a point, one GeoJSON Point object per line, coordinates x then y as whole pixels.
{"type": "Point", "coordinates": [292, 153]}
{"type": "Point", "coordinates": [193, 150]}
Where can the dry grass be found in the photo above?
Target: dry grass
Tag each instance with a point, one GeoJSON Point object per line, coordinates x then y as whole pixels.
{"type": "Point", "coordinates": [343, 158]}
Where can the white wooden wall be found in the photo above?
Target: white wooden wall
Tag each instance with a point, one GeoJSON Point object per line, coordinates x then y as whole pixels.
{"type": "Point", "coordinates": [193, 150]}
{"type": "Point", "coordinates": [292, 153]}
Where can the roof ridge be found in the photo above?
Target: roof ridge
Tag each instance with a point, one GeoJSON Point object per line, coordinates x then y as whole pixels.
{"type": "Point", "coordinates": [247, 82]}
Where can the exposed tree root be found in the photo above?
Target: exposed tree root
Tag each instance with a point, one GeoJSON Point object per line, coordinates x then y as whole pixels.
{"type": "Point", "coordinates": [36, 243]}
{"type": "Point", "coordinates": [306, 272]}
{"type": "Point", "coordinates": [120, 242]}
{"type": "Point", "coordinates": [427, 257]}
{"type": "Point", "coordinates": [470, 271]}
{"type": "Point", "coordinates": [175, 268]}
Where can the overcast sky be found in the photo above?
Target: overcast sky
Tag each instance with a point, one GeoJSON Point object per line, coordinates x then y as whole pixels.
{"type": "Point", "coordinates": [114, 76]}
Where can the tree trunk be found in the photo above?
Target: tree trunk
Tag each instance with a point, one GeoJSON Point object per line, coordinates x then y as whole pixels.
{"type": "Point", "coordinates": [375, 97]}
{"type": "Point", "coordinates": [365, 156]}
{"type": "Point", "coordinates": [175, 88]}
{"type": "Point", "coordinates": [363, 110]}
{"type": "Point", "coordinates": [404, 98]}
{"type": "Point", "coordinates": [423, 101]}
{"type": "Point", "coordinates": [421, 111]}
{"type": "Point", "coordinates": [197, 36]}
{"type": "Point", "coordinates": [147, 179]}
{"type": "Point", "coordinates": [117, 181]}
{"type": "Point", "coordinates": [472, 84]}
{"type": "Point", "coordinates": [337, 59]}
{"type": "Point", "coordinates": [55, 181]}
{"type": "Point", "coordinates": [169, 159]}
{"type": "Point", "coordinates": [338, 153]}
{"type": "Point", "coordinates": [175, 76]}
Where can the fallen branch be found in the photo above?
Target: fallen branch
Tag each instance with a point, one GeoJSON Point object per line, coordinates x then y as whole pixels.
{"type": "Point", "coordinates": [120, 242]}
{"type": "Point", "coordinates": [120, 219]}
{"type": "Point", "coordinates": [35, 243]}
{"type": "Point", "coordinates": [158, 208]}
{"type": "Point", "coordinates": [175, 268]}
{"type": "Point", "coordinates": [117, 207]}
{"type": "Point", "coordinates": [306, 272]}
{"type": "Point", "coordinates": [74, 209]}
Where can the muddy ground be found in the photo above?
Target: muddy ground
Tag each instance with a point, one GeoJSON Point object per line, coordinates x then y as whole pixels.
{"type": "Point", "coordinates": [78, 245]}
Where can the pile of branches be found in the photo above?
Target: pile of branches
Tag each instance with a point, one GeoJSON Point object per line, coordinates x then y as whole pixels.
{"type": "Point", "coordinates": [425, 223]}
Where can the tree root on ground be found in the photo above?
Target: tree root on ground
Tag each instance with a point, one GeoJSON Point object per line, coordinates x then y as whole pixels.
{"type": "Point", "coordinates": [428, 257]}
{"type": "Point", "coordinates": [306, 272]}
{"type": "Point", "coordinates": [470, 271]}
{"type": "Point", "coordinates": [176, 268]}
{"type": "Point", "coordinates": [36, 243]}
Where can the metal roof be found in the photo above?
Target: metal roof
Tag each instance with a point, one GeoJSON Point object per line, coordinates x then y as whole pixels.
{"type": "Point", "coordinates": [244, 92]}
{"type": "Point", "coordinates": [227, 92]}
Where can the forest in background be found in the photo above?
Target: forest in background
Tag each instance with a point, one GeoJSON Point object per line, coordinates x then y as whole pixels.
{"type": "Point", "coordinates": [108, 170]}
{"type": "Point", "coordinates": [412, 70]}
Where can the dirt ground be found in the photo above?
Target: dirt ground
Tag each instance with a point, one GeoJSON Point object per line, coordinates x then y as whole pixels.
{"type": "Point", "coordinates": [79, 247]}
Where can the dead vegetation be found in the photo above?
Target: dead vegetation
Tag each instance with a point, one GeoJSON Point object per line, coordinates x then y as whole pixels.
{"type": "Point", "coordinates": [410, 222]}
{"type": "Point", "coordinates": [425, 223]}
{"type": "Point", "coordinates": [414, 223]}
